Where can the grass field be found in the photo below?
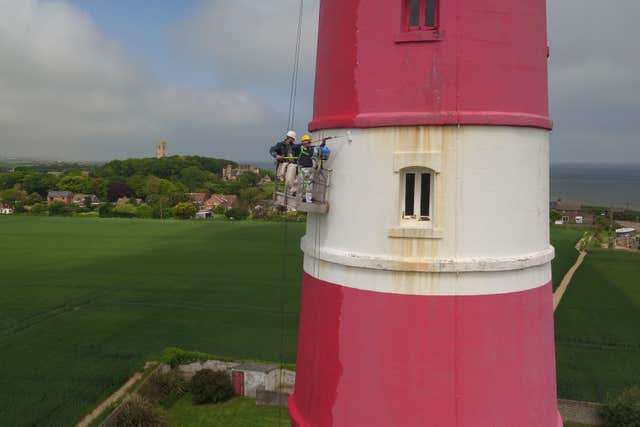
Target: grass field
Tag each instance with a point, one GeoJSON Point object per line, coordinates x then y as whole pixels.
{"type": "Point", "coordinates": [238, 412]}
{"type": "Point", "coordinates": [564, 240]}
{"type": "Point", "coordinates": [84, 302]}
{"type": "Point", "coordinates": [597, 337]}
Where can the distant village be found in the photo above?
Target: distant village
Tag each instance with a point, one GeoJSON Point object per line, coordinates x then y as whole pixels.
{"type": "Point", "coordinates": [166, 186]}
{"type": "Point", "coordinates": [621, 224]}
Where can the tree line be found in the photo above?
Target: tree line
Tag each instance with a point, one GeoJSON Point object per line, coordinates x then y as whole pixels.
{"type": "Point", "coordinates": [155, 186]}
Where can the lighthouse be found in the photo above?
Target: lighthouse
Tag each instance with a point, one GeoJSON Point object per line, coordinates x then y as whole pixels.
{"type": "Point", "coordinates": [426, 294]}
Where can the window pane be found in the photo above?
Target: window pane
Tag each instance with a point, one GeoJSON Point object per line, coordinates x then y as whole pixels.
{"type": "Point", "coordinates": [414, 13]}
{"type": "Point", "coordinates": [430, 14]}
{"type": "Point", "coordinates": [409, 190]}
{"type": "Point", "coordinates": [425, 193]}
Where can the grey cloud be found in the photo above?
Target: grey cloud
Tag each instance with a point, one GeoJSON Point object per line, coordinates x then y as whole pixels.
{"type": "Point", "coordinates": [594, 81]}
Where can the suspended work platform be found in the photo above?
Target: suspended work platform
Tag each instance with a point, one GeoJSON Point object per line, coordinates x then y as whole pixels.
{"type": "Point", "coordinates": [295, 202]}
{"type": "Point", "coordinates": [291, 195]}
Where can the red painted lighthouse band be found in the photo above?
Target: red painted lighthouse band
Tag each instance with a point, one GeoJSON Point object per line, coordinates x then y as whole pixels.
{"type": "Point", "coordinates": [376, 359]}
{"type": "Point", "coordinates": [480, 63]}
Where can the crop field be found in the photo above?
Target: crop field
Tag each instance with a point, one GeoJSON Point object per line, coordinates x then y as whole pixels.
{"type": "Point", "coordinates": [84, 302]}
{"type": "Point", "coordinates": [597, 338]}
{"type": "Point", "coordinates": [564, 240]}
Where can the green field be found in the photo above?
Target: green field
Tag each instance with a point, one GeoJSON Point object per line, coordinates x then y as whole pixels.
{"type": "Point", "coordinates": [564, 240]}
{"type": "Point", "coordinates": [85, 302]}
{"type": "Point", "coordinates": [597, 337]}
{"type": "Point", "coordinates": [238, 412]}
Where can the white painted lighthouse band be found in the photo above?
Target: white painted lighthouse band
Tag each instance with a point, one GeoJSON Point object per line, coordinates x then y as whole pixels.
{"type": "Point", "coordinates": [426, 296]}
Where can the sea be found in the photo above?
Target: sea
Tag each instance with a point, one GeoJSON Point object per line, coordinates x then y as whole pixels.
{"type": "Point", "coordinates": [597, 185]}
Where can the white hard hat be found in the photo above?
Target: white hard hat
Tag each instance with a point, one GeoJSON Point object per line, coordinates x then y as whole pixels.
{"type": "Point", "coordinates": [291, 134]}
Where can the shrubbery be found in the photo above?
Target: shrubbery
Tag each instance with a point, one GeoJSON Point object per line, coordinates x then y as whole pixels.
{"type": "Point", "coordinates": [60, 208]}
{"type": "Point", "coordinates": [38, 209]}
{"type": "Point", "coordinates": [237, 213]}
{"type": "Point", "coordinates": [138, 412]}
{"type": "Point", "coordinates": [624, 410]}
{"type": "Point", "coordinates": [209, 386]}
{"type": "Point", "coordinates": [164, 388]}
{"type": "Point", "coordinates": [185, 210]}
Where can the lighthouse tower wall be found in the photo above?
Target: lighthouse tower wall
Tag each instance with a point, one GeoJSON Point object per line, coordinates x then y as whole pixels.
{"type": "Point", "coordinates": [426, 295]}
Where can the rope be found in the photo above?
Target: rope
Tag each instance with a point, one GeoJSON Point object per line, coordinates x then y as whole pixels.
{"type": "Point", "coordinates": [293, 92]}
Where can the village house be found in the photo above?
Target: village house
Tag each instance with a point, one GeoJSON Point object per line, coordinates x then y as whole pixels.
{"type": "Point", "coordinates": [79, 199]}
{"type": "Point", "coordinates": [231, 174]}
{"type": "Point", "coordinates": [6, 210]}
{"type": "Point", "coordinates": [570, 211]}
{"type": "Point", "coordinates": [125, 200]}
{"type": "Point", "coordinates": [228, 201]}
{"type": "Point", "coordinates": [60, 196]}
{"type": "Point", "coordinates": [198, 199]}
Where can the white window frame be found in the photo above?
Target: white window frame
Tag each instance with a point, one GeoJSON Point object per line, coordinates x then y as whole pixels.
{"type": "Point", "coordinates": [416, 219]}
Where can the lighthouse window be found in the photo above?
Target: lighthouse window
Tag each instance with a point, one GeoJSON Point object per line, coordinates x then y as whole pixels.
{"type": "Point", "coordinates": [421, 14]}
{"type": "Point", "coordinates": [414, 13]}
{"type": "Point", "coordinates": [416, 196]}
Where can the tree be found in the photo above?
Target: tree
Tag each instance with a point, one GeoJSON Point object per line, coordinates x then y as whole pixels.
{"type": "Point", "coordinates": [237, 213]}
{"type": "Point", "coordinates": [33, 198]}
{"type": "Point", "coordinates": [39, 183]}
{"type": "Point", "coordinates": [185, 210]}
{"type": "Point", "coordinates": [12, 195]}
{"type": "Point", "coordinates": [75, 184]}
{"type": "Point", "coordinates": [251, 196]}
{"type": "Point", "coordinates": [193, 177]}
{"type": "Point", "coordinates": [117, 190]}
{"type": "Point", "coordinates": [87, 202]}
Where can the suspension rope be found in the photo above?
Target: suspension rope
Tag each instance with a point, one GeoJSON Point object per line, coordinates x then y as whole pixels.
{"type": "Point", "coordinates": [293, 92]}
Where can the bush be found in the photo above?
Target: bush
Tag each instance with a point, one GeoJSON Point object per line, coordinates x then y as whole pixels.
{"type": "Point", "coordinates": [60, 208]}
{"type": "Point", "coordinates": [174, 356]}
{"type": "Point", "coordinates": [164, 388]}
{"type": "Point", "coordinates": [237, 213]}
{"type": "Point", "coordinates": [624, 410]}
{"type": "Point", "coordinates": [138, 412]}
{"type": "Point", "coordinates": [185, 210]}
{"type": "Point", "coordinates": [124, 210]}
{"type": "Point", "coordinates": [209, 386]}
{"type": "Point", "coordinates": [144, 211]}
{"type": "Point", "coordinates": [105, 210]}
{"type": "Point", "coordinates": [38, 209]}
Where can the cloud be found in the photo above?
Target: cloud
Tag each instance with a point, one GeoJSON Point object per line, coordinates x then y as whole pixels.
{"type": "Point", "coordinates": [251, 45]}
{"type": "Point", "coordinates": [594, 80]}
{"type": "Point", "coordinates": [69, 92]}
{"type": "Point", "coordinates": [251, 42]}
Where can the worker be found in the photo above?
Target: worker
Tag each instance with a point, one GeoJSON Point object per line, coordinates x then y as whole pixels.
{"type": "Point", "coordinates": [306, 171]}
{"type": "Point", "coordinates": [286, 162]}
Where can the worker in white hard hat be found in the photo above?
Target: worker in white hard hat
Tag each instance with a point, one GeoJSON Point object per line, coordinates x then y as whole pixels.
{"type": "Point", "coordinates": [283, 153]}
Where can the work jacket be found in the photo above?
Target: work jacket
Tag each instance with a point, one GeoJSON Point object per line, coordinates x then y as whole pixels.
{"type": "Point", "coordinates": [304, 155]}
{"type": "Point", "coordinates": [282, 149]}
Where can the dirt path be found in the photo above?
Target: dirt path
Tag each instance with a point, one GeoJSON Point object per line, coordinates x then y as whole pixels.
{"type": "Point", "coordinates": [86, 421]}
{"type": "Point", "coordinates": [558, 294]}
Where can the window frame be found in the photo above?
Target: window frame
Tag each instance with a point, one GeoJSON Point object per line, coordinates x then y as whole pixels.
{"type": "Point", "coordinates": [422, 16]}
{"type": "Point", "coordinates": [416, 218]}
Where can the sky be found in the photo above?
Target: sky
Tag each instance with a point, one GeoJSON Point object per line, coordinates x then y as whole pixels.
{"type": "Point", "coordinates": [104, 79]}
